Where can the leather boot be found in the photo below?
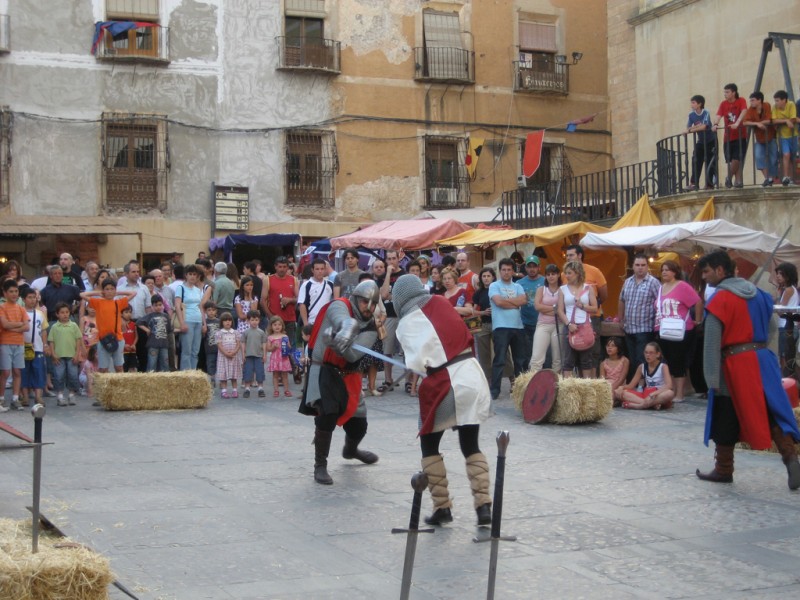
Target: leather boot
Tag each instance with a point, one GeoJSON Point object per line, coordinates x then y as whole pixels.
{"type": "Point", "coordinates": [478, 474]}
{"type": "Point", "coordinates": [322, 446]}
{"type": "Point", "coordinates": [723, 466]}
{"type": "Point", "coordinates": [351, 450]}
{"type": "Point", "coordinates": [433, 467]}
{"type": "Point", "coordinates": [788, 450]}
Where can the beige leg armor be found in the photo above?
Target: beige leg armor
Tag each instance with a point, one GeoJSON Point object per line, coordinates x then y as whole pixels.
{"type": "Point", "coordinates": [433, 467]}
{"type": "Point", "coordinates": [478, 473]}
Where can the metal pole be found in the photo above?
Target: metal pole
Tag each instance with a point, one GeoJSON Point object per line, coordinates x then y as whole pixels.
{"type": "Point", "coordinates": [37, 411]}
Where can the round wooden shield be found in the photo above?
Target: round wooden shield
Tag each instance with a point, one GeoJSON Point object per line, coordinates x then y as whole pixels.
{"type": "Point", "coordinates": [540, 396]}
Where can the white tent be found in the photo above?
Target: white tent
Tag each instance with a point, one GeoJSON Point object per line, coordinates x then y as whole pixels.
{"type": "Point", "coordinates": [688, 239]}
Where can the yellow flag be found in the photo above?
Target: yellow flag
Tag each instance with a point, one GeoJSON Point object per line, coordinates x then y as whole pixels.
{"type": "Point", "coordinates": [473, 152]}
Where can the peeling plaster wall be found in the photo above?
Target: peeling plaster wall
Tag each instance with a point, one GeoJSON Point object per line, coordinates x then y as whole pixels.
{"type": "Point", "coordinates": [369, 27]}
{"type": "Point", "coordinates": [380, 199]}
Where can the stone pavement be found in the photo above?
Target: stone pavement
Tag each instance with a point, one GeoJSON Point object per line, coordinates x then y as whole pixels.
{"type": "Point", "coordinates": [220, 503]}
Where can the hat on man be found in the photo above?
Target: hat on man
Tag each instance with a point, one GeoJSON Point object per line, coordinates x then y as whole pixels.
{"type": "Point", "coordinates": [532, 259]}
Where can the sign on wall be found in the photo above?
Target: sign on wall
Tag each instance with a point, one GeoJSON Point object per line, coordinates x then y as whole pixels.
{"type": "Point", "coordinates": [232, 207]}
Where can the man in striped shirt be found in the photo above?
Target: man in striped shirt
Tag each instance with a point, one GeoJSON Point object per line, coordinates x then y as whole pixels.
{"type": "Point", "coordinates": [637, 309]}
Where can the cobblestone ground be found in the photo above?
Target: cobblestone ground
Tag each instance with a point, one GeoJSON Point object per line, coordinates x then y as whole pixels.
{"type": "Point", "coordinates": [220, 503]}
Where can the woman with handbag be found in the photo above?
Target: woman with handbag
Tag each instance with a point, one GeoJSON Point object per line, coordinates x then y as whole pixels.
{"type": "Point", "coordinates": [674, 326]}
{"type": "Point", "coordinates": [577, 304]}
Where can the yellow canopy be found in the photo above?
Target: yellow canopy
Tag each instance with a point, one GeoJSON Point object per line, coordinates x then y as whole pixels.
{"type": "Point", "coordinates": [707, 213]}
{"type": "Point", "coordinates": [541, 236]}
{"type": "Point", "coordinates": [640, 214]}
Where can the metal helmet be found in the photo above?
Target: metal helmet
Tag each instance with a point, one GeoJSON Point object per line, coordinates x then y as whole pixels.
{"type": "Point", "coordinates": [368, 290]}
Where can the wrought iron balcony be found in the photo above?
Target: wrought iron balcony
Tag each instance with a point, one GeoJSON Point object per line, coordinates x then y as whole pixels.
{"type": "Point", "coordinates": [541, 77]}
{"type": "Point", "coordinates": [5, 34]}
{"type": "Point", "coordinates": [309, 54]}
{"type": "Point", "coordinates": [142, 44]}
{"type": "Point", "coordinates": [446, 65]}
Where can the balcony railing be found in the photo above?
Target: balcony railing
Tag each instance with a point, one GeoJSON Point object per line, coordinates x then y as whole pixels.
{"type": "Point", "coordinates": [592, 197]}
{"type": "Point", "coordinates": [142, 44]}
{"type": "Point", "coordinates": [446, 65]}
{"type": "Point", "coordinates": [309, 54]}
{"type": "Point", "coordinates": [5, 34]}
{"type": "Point", "coordinates": [541, 77]}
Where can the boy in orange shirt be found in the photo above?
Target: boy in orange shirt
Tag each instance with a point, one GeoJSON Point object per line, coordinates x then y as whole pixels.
{"type": "Point", "coordinates": [13, 323]}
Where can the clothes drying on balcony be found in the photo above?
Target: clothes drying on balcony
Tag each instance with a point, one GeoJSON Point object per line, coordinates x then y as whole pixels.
{"type": "Point", "coordinates": [116, 29]}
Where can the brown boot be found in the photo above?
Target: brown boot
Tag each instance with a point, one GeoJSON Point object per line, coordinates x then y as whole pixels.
{"type": "Point", "coordinates": [723, 467]}
{"type": "Point", "coordinates": [351, 450]}
{"type": "Point", "coordinates": [433, 467]}
{"type": "Point", "coordinates": [788, 450]}
{"type": "Point", "coordinates": [322, 446]}
{"type": "Point", "coordinates": [478, 474]}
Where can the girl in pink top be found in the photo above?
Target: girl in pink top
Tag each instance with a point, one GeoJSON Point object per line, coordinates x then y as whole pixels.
{"type": "Point", "coordinates": [614, 369]}
{"type": "Point", "coordinates": [678, 299]}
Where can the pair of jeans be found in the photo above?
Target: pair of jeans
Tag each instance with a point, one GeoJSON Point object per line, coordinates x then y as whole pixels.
{"type": "Point", "coordinates": [66, 369]}
{"type": "Point", "coordinates": [190, 345]}
{"type": "Point", "coordinates": [530, 331]}
{"type": "Point", "coordinates": [636, 343]}
{"type": "Point", "coordinates": [158, 360]}
{"type": "Point", "coordinates": [546, 337]}
{"type": "Point", "coordinates": [503, 339]}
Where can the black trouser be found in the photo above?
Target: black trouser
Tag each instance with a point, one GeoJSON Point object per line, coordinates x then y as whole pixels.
{"type": "Point", "coordinates": [725, 423]}
{"type": "Point", "coordinates": [705, 152]}
{"type": "Point", "coordinates": [467, 439]}
{"type": "Point", "coordinates": [355, 428]}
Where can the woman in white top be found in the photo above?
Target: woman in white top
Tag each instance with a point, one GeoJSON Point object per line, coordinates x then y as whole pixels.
{"type": "Point", "coordinates": [546, 334]}
{"type": "Point", "coordinates": [576, 305]}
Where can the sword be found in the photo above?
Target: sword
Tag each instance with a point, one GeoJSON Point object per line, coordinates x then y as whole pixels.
{"type": "Point", "coordinates": [385, 358]}
{"type": "Point", "coordinates": [497, 512]}
{"type": "Point", "coordinates": [419, 482]}
{"type": "Point", "coordinates": [37, 411]}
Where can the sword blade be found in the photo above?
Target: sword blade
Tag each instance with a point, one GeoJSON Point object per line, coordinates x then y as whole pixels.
{"type": "Point", "coordinates": [385, 358]}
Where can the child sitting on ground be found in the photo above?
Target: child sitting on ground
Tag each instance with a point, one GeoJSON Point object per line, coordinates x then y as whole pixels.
{"type": "Point", "coordinates": [254, 342]}
{"type": "Point", "coordinates": [279, 364]}
{"type": "Point", "coordinates": [614, 369]}
{"type": "Point", "coordinates": [655, 390]}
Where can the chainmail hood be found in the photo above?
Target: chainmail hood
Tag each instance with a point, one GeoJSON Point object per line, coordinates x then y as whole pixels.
{"type": "Point", "coordinates": [408, 293]}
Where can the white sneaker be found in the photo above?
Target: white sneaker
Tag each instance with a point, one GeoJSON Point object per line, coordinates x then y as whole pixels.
{"type": "Point", "coordinates": [71, 399]}
{"type": "Point", "coordinates": [16, 405]}
{"type": "Point", "coordinates": [60, 400]}
{"type": "Point", "coordinates": [3, 408]}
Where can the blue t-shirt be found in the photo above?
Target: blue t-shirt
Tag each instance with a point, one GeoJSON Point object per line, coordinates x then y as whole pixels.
{"type": "Point", "coordinates": [703, 118]}
{"type": "Point", "coordinates": [528, 311]}
{"type": "Point", "coordinates": [509, 318]}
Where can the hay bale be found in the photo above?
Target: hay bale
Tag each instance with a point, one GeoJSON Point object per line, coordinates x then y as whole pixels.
{"type": "Point", "coordinates": [520, 385]}
{"type": "Point", "coordinates": [577, 400]}
{"type": "Point", "coordinates": [581, 401]}
{"type": "Point", "coordinates": [60, 569]}
{"type": "Point", "coordinates": [153, 391]}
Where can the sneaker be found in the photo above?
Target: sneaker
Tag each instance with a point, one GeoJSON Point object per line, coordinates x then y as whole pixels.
{"type": "Point", "coordinates": [61, 401]}
{"type": "Point", "coordinates": [71, 399]}
{"type": "Point", "coordinates": [728, 183]}
{"type": "Point", "coordinates": [261, 393]}
{"type": "Point", "coordinates": [3, 408]}
{"type": "Point", "coordinates": [50, 393]}
{"type": "Point", "coordinates": [16, 405]}
{"type": "Point", "coordinates": [246, 393]}
{"type": "Point", "coordinates": [786, 181]}
{"type": "Point", "coordinates": [738, 184]}
{"type": "Point", "coordinates": [235, 394]}
{"type": "Point", "coordinates": [692, 187]}
{"type": "Point", "coordinates": [767, 183]}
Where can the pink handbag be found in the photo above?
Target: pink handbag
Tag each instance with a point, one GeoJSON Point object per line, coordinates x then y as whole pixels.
{"type": "Point", "coordinates": [583, 338]}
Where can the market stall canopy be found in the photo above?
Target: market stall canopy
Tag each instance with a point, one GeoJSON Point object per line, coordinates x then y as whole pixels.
{"type": "Point", "coordinates": [416, 234]}
{"type": "Point", "coordinates": [707, 213]}
{"type": "Point", "coordinates": [541, 236]}
{"type": "Point", "coordinates": [272, 239]}
{"type": "Point", "coordinates": [640, 214]}
{"type": "Point", "coordinates": [688, 239]}
{"type": "Point", "coordinates": [472, 216]}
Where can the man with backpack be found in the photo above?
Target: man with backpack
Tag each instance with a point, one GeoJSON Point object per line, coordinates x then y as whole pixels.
{"type": "Point", "coordinates": [314, 293]}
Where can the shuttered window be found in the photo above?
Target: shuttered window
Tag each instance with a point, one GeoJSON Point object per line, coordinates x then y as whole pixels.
{"type": "Point", "coordinates": [537, 37]}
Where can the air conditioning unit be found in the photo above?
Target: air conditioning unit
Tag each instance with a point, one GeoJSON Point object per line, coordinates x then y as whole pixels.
{"type": "Point", "coordinates": [521, 182]}
{"type": "Point", "coordinates": [444, 197]}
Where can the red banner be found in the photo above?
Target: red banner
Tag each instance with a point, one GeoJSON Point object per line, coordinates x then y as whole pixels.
{"type": "Point", "coordinates": [533, 153]}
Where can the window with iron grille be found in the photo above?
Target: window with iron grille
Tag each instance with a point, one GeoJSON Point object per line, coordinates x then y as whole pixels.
{"type": "Point", "coordinates": [539, 70]}
{"type": "Point", "coordinates": [446, 177]}
{"type": "Point", "coordinates": [553, 167]}
{"type": "Point", "coordinates": [5, 153]}
{"type": "Point", "coordinates": [311, 166]}
{"type": "Point", "coordinates": [135, 161]}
